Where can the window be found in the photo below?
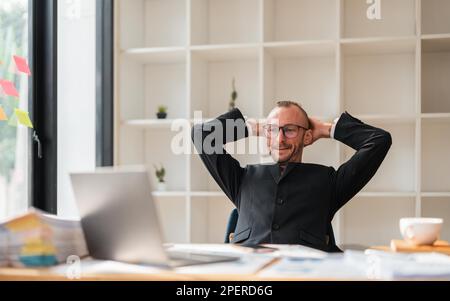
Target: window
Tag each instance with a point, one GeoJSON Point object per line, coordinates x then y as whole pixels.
{"type": "Point", "coordinates": [85, 77]}
{"type": "Point", "coordinates": [69, 47]}
{"type": "Point", "coordinates": [14, 140]}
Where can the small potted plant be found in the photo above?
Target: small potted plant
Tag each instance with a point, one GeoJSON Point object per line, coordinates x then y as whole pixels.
{"type": "Point", "coordinates": [160, 174]}
{"type": "Point", "coordinates": [162, 112]}
{"type": "Point", "coordinates": [234, 95]}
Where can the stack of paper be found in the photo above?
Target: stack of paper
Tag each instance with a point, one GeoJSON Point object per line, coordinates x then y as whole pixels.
{"type": "Point", "coordinates": [36, 239]}
{"type": "Point", "coordinates": [368, 265]}
{"type": "Point", "coordinates": [332, 267]}
{"type": "Point", "coordinates": [394, 266]}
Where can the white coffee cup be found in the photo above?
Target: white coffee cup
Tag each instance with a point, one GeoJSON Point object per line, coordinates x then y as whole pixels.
{"type": "Point", "coordinates": [421, 231]}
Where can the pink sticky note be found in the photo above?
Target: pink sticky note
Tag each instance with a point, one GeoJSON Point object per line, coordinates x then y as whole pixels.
{"type": "Point", "coordinates": [8, 88]}
{"type": "Point", "coordinates": [22, 65]}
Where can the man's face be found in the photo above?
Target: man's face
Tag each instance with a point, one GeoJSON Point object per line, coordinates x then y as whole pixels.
{"type": "Point", "coordinates": [287, 146]}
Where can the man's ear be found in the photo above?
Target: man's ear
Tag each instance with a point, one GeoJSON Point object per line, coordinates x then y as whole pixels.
{"type": "Point", "coordinates": [308, 138]}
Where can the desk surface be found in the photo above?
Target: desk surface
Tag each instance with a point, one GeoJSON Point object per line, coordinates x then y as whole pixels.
{"type": "Point", "coordinates": [154, 274]}
{"type": "Point", "coordinates": [43, 274]}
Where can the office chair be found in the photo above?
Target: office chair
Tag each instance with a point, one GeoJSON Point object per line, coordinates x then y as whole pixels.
{"type": "Point", "coordinates": [231, 226]}
{"type": "Point", "coordinates": [232, 222]}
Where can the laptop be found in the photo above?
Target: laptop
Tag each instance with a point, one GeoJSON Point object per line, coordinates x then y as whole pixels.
{"type": "Point", "coordinates": [120, 221]}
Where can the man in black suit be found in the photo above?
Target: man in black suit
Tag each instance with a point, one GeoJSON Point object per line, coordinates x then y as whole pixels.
{"type": "Point", "coordinates": [289, 202]}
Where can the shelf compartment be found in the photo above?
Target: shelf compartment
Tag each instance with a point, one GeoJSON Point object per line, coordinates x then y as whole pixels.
{"type": "Point", "coordinates": [225, 22]}
{"type": "Point", "coordinates": [435, 153]}
{"type": "Point", "coordinates": [209, 218]}
{"type": "Point", "coordinates": [438, 207]}
{"type": "Point", "coordinates": [131, 146]}
{"type": "Point", "coordinates": [144, 87]}
{"type": "Point", "coordinates": [246, 151]}
{"type": "Point", "coordinates": [173, 218]}
{"type": "Point", "coordinates": [435, 16]}
{"type": "Point", "coordinates": [363, 217]}
{"type": "Point", "coordinates": [175, 164]}
{"type": "Point", "coordinates": [200, 179]}
{"type": "Point", "coordinates": [165, 84]}
{"type": "Point", "coordinates": [436, 75]}
{"type": "Point", "coordinates": [379, 77]}
{"type": "Point", "coordinates": [313, 65]}
{"type": "Point", "coordinates": [297, 20]}
{"type": "Point", "coordinates": [212, 72]}
{"type": "Point", "coordinates": [397, 19]}
{"type": "Point", "coordinates": [323, 152]}
{"type": "Point", "coordinates": [397, 172]}
{"type": "Point", "coordinates": [152, 23]}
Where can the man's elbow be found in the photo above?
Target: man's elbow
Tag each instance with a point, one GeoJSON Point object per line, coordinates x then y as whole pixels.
{"type": "Point", "coordinates": [387, 141]}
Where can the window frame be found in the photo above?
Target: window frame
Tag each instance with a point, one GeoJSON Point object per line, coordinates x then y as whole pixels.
{"type": "Point", "coordinates": [105, 83]}
{"type": "Point", "coordinates": [43, 104]}
{"type": "Point", "coordinates": [43, 96]}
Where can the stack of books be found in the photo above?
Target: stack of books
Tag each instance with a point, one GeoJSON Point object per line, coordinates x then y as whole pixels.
{"type": "Point", "coordinates": [36, 239]}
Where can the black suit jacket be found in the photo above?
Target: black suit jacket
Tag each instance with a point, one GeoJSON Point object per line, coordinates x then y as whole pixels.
{"type": "Point", "coordinates": [298, 207]}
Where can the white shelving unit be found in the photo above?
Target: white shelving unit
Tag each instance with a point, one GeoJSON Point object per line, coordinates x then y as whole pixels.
{"type": "Point", "coordinates": [326, 54]}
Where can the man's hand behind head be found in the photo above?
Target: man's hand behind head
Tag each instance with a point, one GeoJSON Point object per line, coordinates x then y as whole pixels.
{"type": "Point", "coordinates": [319, 129]}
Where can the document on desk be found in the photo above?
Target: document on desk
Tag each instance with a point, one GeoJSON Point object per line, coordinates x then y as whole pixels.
{"type": "Point", "coordinates": [291, 251]}
{"type": "Point", "coordinates": [330, 267]}
{"type": "Point", "coordinates": [296, 251]}
{"type": "Point", "coordinates": [250, 261]}
{"type": "Point", "coordinates": [246, 265]}
{"type": "Point", "coordinates": [369, 265]}
{"type": "Point", "coordinates": [104, 267]}
{"type": "Point", "coordinates": [399, 266]}
{"type": "Point", "coordinates": [215, 249]}
{"type": "Point", "coordinates": [35, 239]}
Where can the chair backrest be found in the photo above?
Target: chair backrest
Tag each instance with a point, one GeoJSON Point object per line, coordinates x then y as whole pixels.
{"type": "Point", "coordinates": [231, 226]}
{"type": "Point", "coordinates": [232, 222]}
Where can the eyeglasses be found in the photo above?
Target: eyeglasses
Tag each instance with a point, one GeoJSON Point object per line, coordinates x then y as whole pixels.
{"type": "Point", "coordinates": [289, 130]}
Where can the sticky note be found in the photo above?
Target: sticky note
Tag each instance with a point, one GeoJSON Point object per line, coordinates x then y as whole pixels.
{"type": "Point", "coordinates": [3, 116]}
{"type": "Point", "coordinates": [8, 88]}
{"type": "Point", "coordinates": [23, 118]}
{"type": "Point", "coordinates": [22, 65]}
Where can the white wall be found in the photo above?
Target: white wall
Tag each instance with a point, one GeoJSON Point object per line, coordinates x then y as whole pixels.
{"type": "Point", "coordinates": [76, 96]}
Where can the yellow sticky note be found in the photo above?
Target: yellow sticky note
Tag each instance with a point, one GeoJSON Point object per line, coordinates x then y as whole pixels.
{"type": "Point", "coordinates": [23, 118]}
{"type": "Point", "coordinates": [3, 116]}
